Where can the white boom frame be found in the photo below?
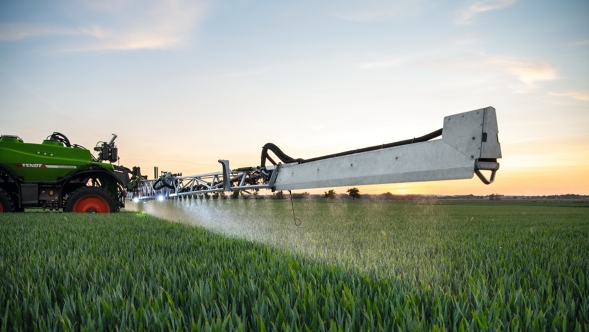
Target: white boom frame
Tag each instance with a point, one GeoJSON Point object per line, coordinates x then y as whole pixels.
{"type": "Point", "coordinates": [469, 144]}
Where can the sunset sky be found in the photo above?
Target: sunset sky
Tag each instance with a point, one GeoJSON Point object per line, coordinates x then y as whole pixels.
{"type": "Point", "coordinates": [185, 83]}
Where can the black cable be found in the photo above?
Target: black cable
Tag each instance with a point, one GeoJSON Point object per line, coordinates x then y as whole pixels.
{"type": "Point", "coordinates": [281, 155]}
{"type": "Point", "coordinates": [287, 159]}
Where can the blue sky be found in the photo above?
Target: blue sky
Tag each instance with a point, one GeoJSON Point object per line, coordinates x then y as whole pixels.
{"type": "Point", "coordinates": [185, 83]}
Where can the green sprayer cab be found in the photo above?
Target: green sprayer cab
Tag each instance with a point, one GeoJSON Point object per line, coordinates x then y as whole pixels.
{"type": "Point", "coordinates": [58, 175]}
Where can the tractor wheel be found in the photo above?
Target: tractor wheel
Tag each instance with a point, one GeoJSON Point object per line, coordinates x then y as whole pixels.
{"type": "Point", "coordinates": [90, 200]}
{"type": "Point", "coordinates": [5, 202]}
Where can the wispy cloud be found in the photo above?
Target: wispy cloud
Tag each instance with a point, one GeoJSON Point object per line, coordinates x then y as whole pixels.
{"type": "Point", "coordinates": [156, 25]}
{"type": "Point", "coordinates": [18, 31]}
{"type": "Point", "coordinates": [573, 94]}
{"type": "Point", "coordinates": [380, 11]}
{"type": "Point", "coordinates": [467, 14]}
{"type": "Point", "coordinates": [165, 25]}
{"type": "Point", "coordinates": [527, 71]}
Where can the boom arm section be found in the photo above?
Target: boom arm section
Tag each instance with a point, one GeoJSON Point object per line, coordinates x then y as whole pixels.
{"type": "Point", "coordinates": [469, 145]}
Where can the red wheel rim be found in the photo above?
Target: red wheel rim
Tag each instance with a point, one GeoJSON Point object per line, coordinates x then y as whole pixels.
{"type": "Point", "coordinates": [91, 204]}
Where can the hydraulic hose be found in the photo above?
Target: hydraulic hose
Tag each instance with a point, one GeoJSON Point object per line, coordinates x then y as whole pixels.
{"type": "Point", "coordinates": [287, 159]}
{"type": "Point", "coordinates": [279, 154]}
{"type": "Point", "coordinates": [165, 181]}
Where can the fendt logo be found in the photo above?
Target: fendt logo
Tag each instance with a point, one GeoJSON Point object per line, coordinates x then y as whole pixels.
{"type": "Point", "coordinates": [30, 165]}
{"type": "Point", "coordinates": [23, 165]}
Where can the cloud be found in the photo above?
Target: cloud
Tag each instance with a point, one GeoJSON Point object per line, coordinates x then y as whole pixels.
{"type": "Point", "coordinates": [123, 25]}
{"type": "Point", "coordinates": [467, 14]}
{"type": "Point", "coordinates": [573, 94]}
{"type": "Point", "coordinates": [165, 25]}
{"type": "Point", "coordinates": [18, 31]}
{"type": "Point", "coordinates": [527, 71]}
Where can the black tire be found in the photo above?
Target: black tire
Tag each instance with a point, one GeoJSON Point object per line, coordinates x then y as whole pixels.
{"type": "Point", "coordinates": [5, 202]}
{"type": "Point", "coordinates": [91, 200]}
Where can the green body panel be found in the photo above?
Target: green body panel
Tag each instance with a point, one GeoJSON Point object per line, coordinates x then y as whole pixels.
{"type": "Point", "coordinates": [47, 162]}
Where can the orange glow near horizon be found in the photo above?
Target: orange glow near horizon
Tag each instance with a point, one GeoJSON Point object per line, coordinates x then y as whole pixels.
{"type": "Point", "coordinates": [555, 181]}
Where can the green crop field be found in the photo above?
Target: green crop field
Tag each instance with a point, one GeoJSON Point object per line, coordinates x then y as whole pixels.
{"type": "Point", "coordinates": [351, 265]}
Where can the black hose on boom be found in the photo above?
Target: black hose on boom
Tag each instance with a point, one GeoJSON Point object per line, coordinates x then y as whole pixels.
{"type": "Point", "coordinates": [287, 159]}
{"type": "Point", "coordinates": [281, 155]}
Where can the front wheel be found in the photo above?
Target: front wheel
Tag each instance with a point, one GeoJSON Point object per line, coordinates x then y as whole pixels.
{"type": "Point", "coordinates": [90, 200]}
{"type": "Point", "coordinates": [5, 202]}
